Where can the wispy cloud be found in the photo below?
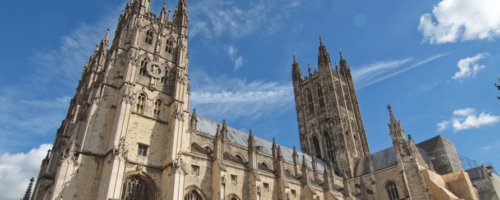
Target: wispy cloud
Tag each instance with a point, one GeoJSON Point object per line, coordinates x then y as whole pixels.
{"type": "Point", "coordinates": [461, 20]}
{"type": "Point", "coordinates": [235, 98]}
{"type": "Point", "coordinates": [17, 169]}
{"type": "Point", "coordinates": [213, 17]}
{"type": "Point", "coordinates": [368, 75]}
{"type": "Point", "coordinates": [469, 67]}
{"type": "Point", "coordinates": [467, 118]}
{"type": "Point", "coordinates": [39, 104]}
{"type": "Point", "coordinates": [486, 147]}
{"type": "Point", "coordinates": [231, 51]}
{"type": "Point", "coordinates": [238, 63]}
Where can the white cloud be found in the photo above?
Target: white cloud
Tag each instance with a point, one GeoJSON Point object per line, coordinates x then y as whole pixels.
{"type": "Point", "coordinates": [368, 75]}
{"type": "Point", "coordinates": [214, 17]}
{"type": "Point", "coordinates": [59, 102]}
{"type": "Point", "coordinates": [467, 118]}
{"type": "Point", "coordinates": [461, 20]}
{"type": "Point", "coordinates": [231, 51]}
{"type": "Point", "coordinates": [486, 147]}
{"type": "Point", "coordinates": [238, 63]}
{"type": "Point", "coordinates": [17, 169]}
{"type": "Point", "coordinates": [38, 104]}
{"type": "Point", "coordinates": [235, 98]}
{"type": "Point", "coordinates": [464, 112]}
{"type": "Point", "coordinates": [466, 70]}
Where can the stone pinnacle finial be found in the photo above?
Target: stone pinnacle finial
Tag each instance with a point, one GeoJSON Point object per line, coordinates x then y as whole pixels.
{"type": "Point", "coordinates": [294, 60]}
{"type": "Point", "coordinates": [107, 35]}
{"type": "Point", "coordinates": [28, 191]}
{"type": "Point", "coordinates": [320, 41]}
{"type": "Point", "coordinates": [393, 119]}
{"type": "Point", "coordinates": [165, 5]}
{"type": "Point", "coordinates": [341, 57]}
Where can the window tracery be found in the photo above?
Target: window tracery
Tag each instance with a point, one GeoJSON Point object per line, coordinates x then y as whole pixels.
{"type": "Point", "coordinates": [156, 111]}
{"type": "Point", "coordinates": [149, 36]}
{"type": "Point", "coordinates": [141, 102]}
{"type": "Point", "coordinates": [392, 191]}
{"type": "Point", "coordinates": [329, 147]}
{"type": "Point", "coordinates": [135, 188]}
{"type": "Point", "coordinates": [317, 147]}
{"type": "Point", "coordinates": [310, 100]}
{"type": "Point", "coordinates": [193, 195]}
{"type": "Point", "coordinates": [320, 95]}
{"type": "Point", "coordinates": [142, 70]}
{"type": "Point", "coordinates": [169, 45]}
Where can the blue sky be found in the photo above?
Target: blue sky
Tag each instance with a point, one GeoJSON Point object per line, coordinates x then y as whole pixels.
{"type": "Point", "coordinates": [434, 61]}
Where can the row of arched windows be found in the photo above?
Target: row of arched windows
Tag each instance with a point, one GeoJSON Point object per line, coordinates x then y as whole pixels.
{"type": "Point", "coordinates": [141, 104]}
{"type": "Point", "coordinates": [149, 40]}
{"type": "Point", "coordinates": [310, 101]}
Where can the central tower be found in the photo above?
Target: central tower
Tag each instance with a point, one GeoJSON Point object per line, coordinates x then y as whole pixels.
{"type": "Point", "coordinates": [328, 115]}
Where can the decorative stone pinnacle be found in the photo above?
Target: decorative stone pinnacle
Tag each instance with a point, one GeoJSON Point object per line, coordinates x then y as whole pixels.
{"type": "Point", "coordinates": [393, 119]}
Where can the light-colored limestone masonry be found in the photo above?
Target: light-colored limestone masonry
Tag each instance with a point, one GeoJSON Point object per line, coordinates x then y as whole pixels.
{"type": "Point", "coordinates": [129, 135]}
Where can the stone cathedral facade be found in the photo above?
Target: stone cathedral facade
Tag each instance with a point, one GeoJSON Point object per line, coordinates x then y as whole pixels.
{"type": "Point", "coordinates": [129, 135]}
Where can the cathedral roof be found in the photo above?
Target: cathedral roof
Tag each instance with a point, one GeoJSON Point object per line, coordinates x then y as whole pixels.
{"type": "Point", "coordinates": [207, 126]}
{"type": "Point", "coordinates": [380, 160]}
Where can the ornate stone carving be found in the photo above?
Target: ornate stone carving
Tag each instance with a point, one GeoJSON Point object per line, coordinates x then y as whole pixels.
{"type": "Point", "coordinates": [69, 155]}
{"type": "Point", "coordinates": [178, 166]}
{"type": "Point", "coordinates": [120, 152]}
{"type": "Point", "coordinates": [178, 113]}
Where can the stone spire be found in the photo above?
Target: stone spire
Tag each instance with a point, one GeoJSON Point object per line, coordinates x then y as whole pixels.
{"type": "Point", "coordinates": [305, 170]}
{"type": "Point", "coordinates": [224, 132]}
{"type": "Point", "coordinates": [391, 115]}
{"type": "Point", "coordinates": [163, 13]}
{"type": "Point", "coordinates": [296, 72]}
{"type": "Point", "coordinates": [252, 152]}
{"type": "Point", "coordinates": [295, 161]}
{"type": "Point", "coordinates": [324, 56]}
{"type": "Point", "coordinates": [194, 121]}
{"type": "Point", "coordinates": [28, 191]}
{"type": "Point", "coordinates": [218, 145]}
{"type": "Point", "coordinates": [396, 131]}
{"type": "Point", "coordinates": [168, 16]}
{"type": "Point", "coordinates": [347, 187]}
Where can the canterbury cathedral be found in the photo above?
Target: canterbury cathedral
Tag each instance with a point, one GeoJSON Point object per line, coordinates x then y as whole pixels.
{"type": "Point", "coordinates": [129, 135]}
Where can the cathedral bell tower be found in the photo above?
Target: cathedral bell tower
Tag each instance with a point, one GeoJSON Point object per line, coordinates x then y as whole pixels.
{"type": "Point", "coordinates": [127, 123]}
{"type": "Point", "coordinates": [328, 115]}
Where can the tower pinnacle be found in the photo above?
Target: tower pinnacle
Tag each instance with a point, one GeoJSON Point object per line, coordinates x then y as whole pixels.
{"type": "Point", "coordinates": [393, 119]}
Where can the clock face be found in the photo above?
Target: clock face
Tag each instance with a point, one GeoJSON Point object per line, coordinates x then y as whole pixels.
{"type": "Point", "coordinates": [155, 70]}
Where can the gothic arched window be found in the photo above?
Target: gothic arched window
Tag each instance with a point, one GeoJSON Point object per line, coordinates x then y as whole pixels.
{"type": "Point", "coordinates": [320, 95]}
{"type": "Point", "coordinates": [164, 78]}
{"type": "Point", "coordinates": [329, 146]}
{"type": "Point", "coordinates": [142, 70]}
{"type": "Point", "coordinates": [169, 47]}
{"type": "Point", "coordinates": [193, 195]}
{"type": "Point", "coordinates": [141, 102]}
{"type": "Point", "coordinates": [347, 98]}
{"type": "Point", "coordinates": [317, 147]}
{"type": "Point", "coordinates": [156, 113]}
{"type": "Point", "coordinates": [265, 165]}
{"type": "Point", "coordinates": [392, 190]}
{"type": "Point", "coordinates": [136, 189]}
{"type": "Point", "coordinates": [149, 36]}
{"type": "Point", "coordinates": [239, 158]}
{"type": "Point", "coordinates": [310, 100]}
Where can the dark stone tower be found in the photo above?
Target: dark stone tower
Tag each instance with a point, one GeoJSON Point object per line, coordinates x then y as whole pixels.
{"type": "Point", "coordinates": [330, 123]}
